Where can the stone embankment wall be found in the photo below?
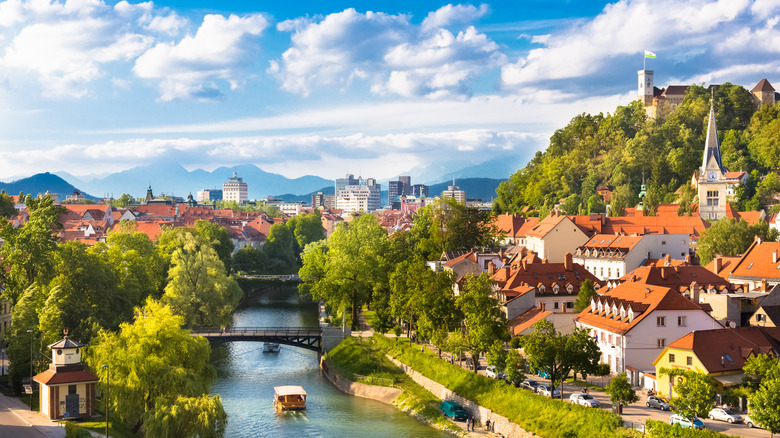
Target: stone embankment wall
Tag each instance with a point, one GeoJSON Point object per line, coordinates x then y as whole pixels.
{"type": "Point", "coordinates": [380, 393]}
{"type": "Point", "coordinates": [502, 425]}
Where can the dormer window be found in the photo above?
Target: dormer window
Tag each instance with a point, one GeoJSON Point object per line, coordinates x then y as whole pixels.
{"type": "Point", "coordinates": [541, 289]}
{"type": "Point", "coordinates": [555, 289]}
{"type": "Point", "coordinates": [630, 314]}
{"type": "Point", "coordinates": [601, 307]}
{"type": "Point", "coordinates": [569, 288]}
{"type": "Point", "coordinates": [593, 305]}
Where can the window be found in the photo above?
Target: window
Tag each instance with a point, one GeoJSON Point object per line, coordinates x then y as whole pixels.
{"type": "Point", "coordinates": [660, 321]}
{"type": "Point", "coordinates": [712, 198]}
{"type": "Point", "coordinates": [671, 358]}
{"type": "Point", "coordinates": [556, 305]}
{"type": "Point", "coordinates": [609, 272]}
{"type": "Point", "coordinates": [689, 361]}
{"type": "Point", "coordinates": [660, 343]}
{"type": "Point", "coordinates": [610, 339]}
{"type": "Point", "coordinates": [71, 389]}
{"type": "Point", "coordinates": [570, 305]}
{"type": "Point", "coordinates": [760, 317]}
{"type": "Point", "coordinates": [681, 321]}
{"type": "Point", "coordinates": [602, 271]}
{"type": "Point", "coordinates": [663, 242]}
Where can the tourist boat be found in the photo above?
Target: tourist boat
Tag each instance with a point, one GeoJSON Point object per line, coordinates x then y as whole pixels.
{"type": "Point", "coordinates": [289, 397]}
{"type": "Point", "coordinates": [271, 347]}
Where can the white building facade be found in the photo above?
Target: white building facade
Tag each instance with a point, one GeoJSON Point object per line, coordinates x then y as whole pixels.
{"type": "Point", "coordinates": [235, 189]}
{"type": "Point", "coordinates": [609, 257]}
{"type": "Point", "coordinates": [364, 196]}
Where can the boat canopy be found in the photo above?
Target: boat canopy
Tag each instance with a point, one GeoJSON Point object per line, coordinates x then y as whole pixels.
{"type": "Point", "coordinates": [289, 390]}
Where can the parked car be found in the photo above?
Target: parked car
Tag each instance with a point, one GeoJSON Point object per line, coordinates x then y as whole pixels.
{"type": "Point", "coordinates": [529, 385]}
{"type": "Point", "coordinates": [658, 403]}
{"type": "Point", "coordinates": [491, 372]}
{"type": "Point", "coordinates": [750, 423]}
{"type": "Point", "coordinates": [723, 414]}
{"type": "Point", "coordinates": [453, 410]}
{"type": "Point", "coordinates": [694, 422]}
{"type": "Point", "coordinates": [543, 374]}
{"type": "Point", "coordinates": [544, 389]}
{"type": "Point", "coordinates": [584, 400]}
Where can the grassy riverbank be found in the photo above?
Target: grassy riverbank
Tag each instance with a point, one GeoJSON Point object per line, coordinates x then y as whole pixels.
{"type": "Point", "coordinates": [362, 360]}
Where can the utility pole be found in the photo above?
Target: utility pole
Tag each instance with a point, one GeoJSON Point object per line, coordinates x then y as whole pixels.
{"type": "Point", "coordinates": [108, 388]}
{"type": "Point", "coordinates": [31, 367]}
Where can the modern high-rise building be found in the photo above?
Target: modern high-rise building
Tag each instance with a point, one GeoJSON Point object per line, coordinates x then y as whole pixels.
{"type": "Point", "coordinates": [363, 196]}
{"type": "Point", "coordinates": [420, 190]}
{"type": "Point", "coordinates": [342, 183]}
{"type": "Point", "coordinates": [207, 195]}
{"type": "Point", "coordinates": [321, 200]}
{"type": "Point", "coordinates": [394, 190]}
{"type": "Point", "coordinates": [407, 182]}
{"type": "Point", "coordinates": [235, 189]}
{"type": "Point", "coordinates": [454, 191]}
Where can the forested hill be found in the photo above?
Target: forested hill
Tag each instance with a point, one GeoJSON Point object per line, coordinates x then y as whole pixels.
{"type": "Point", "coordinates": [618, 149]}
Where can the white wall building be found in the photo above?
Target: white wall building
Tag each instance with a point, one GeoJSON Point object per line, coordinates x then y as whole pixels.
{"type": "Point", "coordinates": [235, 189]}
{"type": "Point", "coordinates": [555, 236]}
{"type": "Point", "coordinates": [363, 196]}
{"type": "Point", "coordinates": [609, 256]}
{"type": "Point", "coordinates": [633, 323]}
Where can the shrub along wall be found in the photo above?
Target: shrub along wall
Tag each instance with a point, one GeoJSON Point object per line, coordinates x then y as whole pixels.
{"type": "Point", "coordinates": [660, 429]}
{"type": "Point", "coordinates": [534, 413]}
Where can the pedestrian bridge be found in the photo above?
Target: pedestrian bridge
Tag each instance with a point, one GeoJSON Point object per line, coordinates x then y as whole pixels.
{"type": "Point", "coordinates": [311, 338]}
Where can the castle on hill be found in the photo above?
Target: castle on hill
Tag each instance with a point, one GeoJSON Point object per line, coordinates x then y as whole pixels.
{"type": "Point", "coordinates": [654, 98]}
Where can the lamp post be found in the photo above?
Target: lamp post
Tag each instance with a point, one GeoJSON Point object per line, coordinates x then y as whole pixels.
{"type": "Point", "coordinates": [108, 387]}
{"type": "Point", "coordinates": [31, 392]}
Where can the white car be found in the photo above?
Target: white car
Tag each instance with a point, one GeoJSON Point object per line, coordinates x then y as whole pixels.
{"type": "Point", "coordinates": [584, 400]}
{"type": "Point", "coordinates": [544, 389]}
{"type": "Point", "coordinates": [724, 414]}
{"type": "Point", "coordinates": [491, 372]}
{"type": "Point", "coordinates": [750, 423]}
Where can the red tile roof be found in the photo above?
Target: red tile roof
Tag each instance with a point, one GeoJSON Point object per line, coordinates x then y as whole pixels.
{"type": "Point", "coordinates": [763, 85]}
{"type": "Point", "coordinates": [728, 349]}
{"type": "Point", "coordinates": [760, 261]}
{"type": "Point", "coordinates": [49, 377]}
{"type": "Point", "coordinates": [525, 321]}
{"type": "Point", "coordinates": [643, 299]}
{"type": "Point", "coordinates": [678, 277]}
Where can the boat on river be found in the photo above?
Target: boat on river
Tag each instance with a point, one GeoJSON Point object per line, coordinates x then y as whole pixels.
{"type": "Point", "coordinates": [289, 397]}
{"type": "Point", "coordinates": [271, 347]}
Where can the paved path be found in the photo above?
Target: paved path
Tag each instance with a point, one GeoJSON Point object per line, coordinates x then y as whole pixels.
{"type": "Point", "coordinates": [16, 420]}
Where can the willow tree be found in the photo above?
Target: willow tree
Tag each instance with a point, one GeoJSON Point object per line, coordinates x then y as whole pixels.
{"type": "Point", "coordinates": [160, 375]}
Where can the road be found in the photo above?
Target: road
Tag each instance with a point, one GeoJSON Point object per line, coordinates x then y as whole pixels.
{"type": "Point", "coordinates": [22, 423]}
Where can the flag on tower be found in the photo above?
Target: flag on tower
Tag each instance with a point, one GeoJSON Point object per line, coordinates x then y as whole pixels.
{"type": "Point", "coordinates": [649, 54]}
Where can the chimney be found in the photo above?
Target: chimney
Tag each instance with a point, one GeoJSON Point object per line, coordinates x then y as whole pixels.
{"type": "Point", "coordinates": [663, 272]}
{"type": "Point", "coordinates": [718, 264]}
{"type": "Point", "coordinates": [774, 256]}
{"type": "Point", "coordinates": [695, 292]}
{"type": "Point", "coordinates": [687, 259]}
{"type": "Point", "coordinates": [763, 285]}
{"type": "Point", "coordinates": [491, 268]}
{"type": "Point", "coordinates": [568, 263]}
{"type": "Point", "coordinates": [525, 264]}
{"type": "Point", "coordinates": [544, 260]}
{"type": "Point", "coordinates": [668, 260]}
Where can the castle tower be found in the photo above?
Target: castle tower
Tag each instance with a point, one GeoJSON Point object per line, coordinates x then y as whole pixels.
{"type": "Point", "coordinates": [764, 93]}
{"type": "Point", "coordinates": [712, 175]}
{"type": "Point", "coordinates": [645, 90]}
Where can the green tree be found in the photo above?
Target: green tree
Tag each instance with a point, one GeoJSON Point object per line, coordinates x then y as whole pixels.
{"type": "Point", "coordinates": [765, 405]}
{"type": "Point", "coordinates": [279, 250]}
{"type": "Point", "coordinates": [351, 268]}
{"type": "Point", "coordinates": [620, 391]}
{"type": "Point", "coordinates": [558, 354]}
{"type": "Point", "coordinates": [584, 295]}
{"type": "Point", "coordinates": [249, 260]}
{"type": "Point", "coordinates": [25, 317]}
{"type": "Point", "coordinates": [27, 252]}
{"type": "Point", "coordinates": [7, 206]}
{"type": "Point", "coordinates": [695, 392]}
{"type": "Point", "coordinates": [515, 365]}
{"type": "Point", "coordinates": [157, 366]}
{"type": "Point", "coordinates": [730, 237]}
{"type": "Point", "coordinates": [123, 201]}
{"type": "Point", "coordinates": [220, 240]}
{"type": "Point", "coordinates": [483, 320]}
{"type": "Point", "coordinates": [198, 288]}
{"type": "Point", "coordinates": [307, 228]}
{"type": "Point", "coordinates": [497, 356]}
{"type": "Point", "coordinates": [137, 262]}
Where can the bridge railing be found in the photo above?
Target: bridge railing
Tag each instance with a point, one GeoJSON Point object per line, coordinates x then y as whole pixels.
{"type": "Point", "coordinates": [279, 331]}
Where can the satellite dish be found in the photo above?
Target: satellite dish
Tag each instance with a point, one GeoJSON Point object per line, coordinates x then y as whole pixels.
{"type": "Point", "coordinates": [732, 324]}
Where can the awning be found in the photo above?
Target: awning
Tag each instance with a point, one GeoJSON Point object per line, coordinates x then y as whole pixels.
{"type": "Point", "coordinates": [730, 379]}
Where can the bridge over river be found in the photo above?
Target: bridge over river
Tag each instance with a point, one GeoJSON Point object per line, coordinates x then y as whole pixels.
{"type": "Point", "coordinates": [317, 339]}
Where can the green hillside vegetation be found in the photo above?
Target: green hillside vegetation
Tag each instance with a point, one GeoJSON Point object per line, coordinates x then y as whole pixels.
{"type": "Point", "coordinates": [621, 148]}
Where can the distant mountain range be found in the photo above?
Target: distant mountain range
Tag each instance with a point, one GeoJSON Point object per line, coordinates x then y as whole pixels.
{"type": "Point", "coordinates": [175, 180]}
{"type": "Point", "coordinates": [41, 183]}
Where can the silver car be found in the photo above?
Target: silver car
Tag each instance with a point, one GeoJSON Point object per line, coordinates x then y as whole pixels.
{"type": "Point", "coordinates": [584, 400]}
{"type": "Point", "coordinates": [658, 403]}
{"type": "Point", "coordinates": [723, 414]}
{"type": "Point", "coordinates": [544, 389]}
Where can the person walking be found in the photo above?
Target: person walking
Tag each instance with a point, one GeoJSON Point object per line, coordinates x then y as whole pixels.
{"type": "Point", "coordinates": [487, 425]}
{"type": "Point", "coordinates": [468, 427]}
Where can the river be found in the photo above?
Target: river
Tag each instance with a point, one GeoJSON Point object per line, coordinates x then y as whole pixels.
{"type": "Point", "coordinates": [246, 378]}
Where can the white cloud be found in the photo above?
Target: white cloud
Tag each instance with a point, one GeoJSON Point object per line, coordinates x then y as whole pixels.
{"type": "Point", "coordinates": [387, 51]}
{"type": "Point", "coordinates": [628, 27]}
{"type": "Point", "coordinates": [192, 67]}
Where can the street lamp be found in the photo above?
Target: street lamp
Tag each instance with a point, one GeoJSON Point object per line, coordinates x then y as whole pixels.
{"type": "Point", "coordinates": [108, 387]}
{"type": "Point", "coordinates": [31, 392]}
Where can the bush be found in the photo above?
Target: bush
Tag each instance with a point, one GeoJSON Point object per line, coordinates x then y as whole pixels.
{"type": "Point", "coordinates": [660, 429]}
{"type": "Point", "coordinates": [74, 431]}
{"type": "Point", "coordinates": [534, 413]}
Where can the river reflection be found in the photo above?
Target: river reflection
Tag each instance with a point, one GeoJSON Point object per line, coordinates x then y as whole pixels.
{"type": "Point", "coordinates": [246, 377]}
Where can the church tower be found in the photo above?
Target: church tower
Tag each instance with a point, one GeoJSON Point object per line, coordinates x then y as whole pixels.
{"type": "Point", "coordinates": [712, 175]}
{"type": "Point", "coordinates": [645, 90]}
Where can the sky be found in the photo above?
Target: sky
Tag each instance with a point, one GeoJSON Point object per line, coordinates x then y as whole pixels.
{"type": "Point", "coordinates": [326, 88]}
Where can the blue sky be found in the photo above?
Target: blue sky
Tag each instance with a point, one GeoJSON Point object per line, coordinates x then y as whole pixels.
{"type": "Point", "coordinates": [326, 88]}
